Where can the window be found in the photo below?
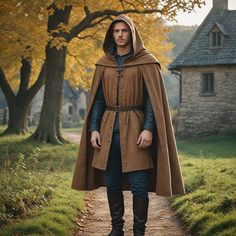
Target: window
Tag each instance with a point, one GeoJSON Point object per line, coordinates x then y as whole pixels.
{"type": "Point", "coordinates": [216, 39]}
{"type": "Point", "coordinates": [217, 35]}
{"type": "Point", "coordinates": [70, 110]}
{"type": "Point", "coordinates": [207, 84]}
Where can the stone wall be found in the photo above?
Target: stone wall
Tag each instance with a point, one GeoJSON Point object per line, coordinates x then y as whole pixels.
{"type": "Point", "coordinates": [205, 115]}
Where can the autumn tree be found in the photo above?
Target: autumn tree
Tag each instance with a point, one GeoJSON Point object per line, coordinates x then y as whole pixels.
{"type": "Point", "coordinates": [70, 20]}
{"type": "Point", "coordinates": [22, 48]}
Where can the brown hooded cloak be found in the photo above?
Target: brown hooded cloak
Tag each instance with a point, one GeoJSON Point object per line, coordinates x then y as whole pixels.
{"type": "Point", "coordinates": [161, 158]}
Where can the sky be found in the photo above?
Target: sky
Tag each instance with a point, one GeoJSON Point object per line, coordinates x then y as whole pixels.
{"type": "Point", "coordinates": [197, 16]}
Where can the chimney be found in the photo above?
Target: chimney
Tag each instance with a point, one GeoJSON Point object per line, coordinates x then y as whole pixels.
{"type": "Point", "coordinates": [220, 4]}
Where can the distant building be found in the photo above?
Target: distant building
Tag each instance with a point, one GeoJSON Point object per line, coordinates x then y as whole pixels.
{"type": "Point", "coordinates": [207, 70]}
{"type": "Point", "coordinates": [74, 105]}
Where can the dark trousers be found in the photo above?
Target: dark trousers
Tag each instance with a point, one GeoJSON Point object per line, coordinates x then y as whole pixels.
{"type": "Point", "coordinates": [113, 174]}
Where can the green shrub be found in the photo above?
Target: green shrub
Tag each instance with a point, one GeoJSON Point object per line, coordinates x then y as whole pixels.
{"type": "Point", "coordinates": [22, 189]}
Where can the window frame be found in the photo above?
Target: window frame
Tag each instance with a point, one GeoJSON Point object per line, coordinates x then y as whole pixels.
{"type": "Point", "coordinates": [70, 110]}
{"type": "Point", "coordinates": [216, 39]}
{"type": "Point", "coordinates": [210, 77]}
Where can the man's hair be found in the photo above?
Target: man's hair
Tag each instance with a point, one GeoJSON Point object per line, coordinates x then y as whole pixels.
{"type": "Point", "coordinates": [118, 21]}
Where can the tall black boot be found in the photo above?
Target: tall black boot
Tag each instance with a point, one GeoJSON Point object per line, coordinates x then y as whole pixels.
{"type": "Point", "coordinates": [116, 206]}
{"type": "Point", "coordinates": [140, 210]}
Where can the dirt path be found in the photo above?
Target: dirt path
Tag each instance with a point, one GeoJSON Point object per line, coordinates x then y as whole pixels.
{"type": "Point", "coordinates": [95, 220]}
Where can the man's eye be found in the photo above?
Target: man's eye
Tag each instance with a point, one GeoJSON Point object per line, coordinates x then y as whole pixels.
{"type": "Point", "coordinates": [117, 31]}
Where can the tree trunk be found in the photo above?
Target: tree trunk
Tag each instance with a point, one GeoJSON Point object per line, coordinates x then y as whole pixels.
{"type": "Point", "coordinates": [5, 114]}
{"type": "Point", "coordinates": [48, 129]}
{"type": "Point", "coordinates": [17, 123]}
{"type": "Point", "coordinates": [18, 104]}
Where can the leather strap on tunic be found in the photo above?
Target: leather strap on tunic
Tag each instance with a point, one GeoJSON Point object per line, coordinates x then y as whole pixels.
{"type": "Point", "coordinates": [127, 108]}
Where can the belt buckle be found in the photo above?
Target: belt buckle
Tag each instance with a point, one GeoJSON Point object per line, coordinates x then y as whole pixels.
{"type": "Point", "coordinates": [117, 108]}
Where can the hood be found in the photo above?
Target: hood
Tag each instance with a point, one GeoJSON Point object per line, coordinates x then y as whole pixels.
{"type": "Point", "coordinates": [137, 44]}
{"type": "Point", "coordinates": [140, 54]}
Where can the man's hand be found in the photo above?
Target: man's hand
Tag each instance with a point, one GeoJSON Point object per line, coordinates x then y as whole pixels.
{"type": "Point", "coordinates": [95, 139]}
{"type": "Point", "coordinates": [145, 139]}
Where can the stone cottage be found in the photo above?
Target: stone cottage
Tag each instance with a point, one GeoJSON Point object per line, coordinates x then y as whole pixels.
{"type": "Point", "coordinates": [207, 71]}
{"type": "Point", "coordinates": [73, 106]}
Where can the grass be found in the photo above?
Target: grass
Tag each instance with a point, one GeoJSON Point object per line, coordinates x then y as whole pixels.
{"type": "Point", "coordinates": [57, 218]}
{"type": "Point", "coordinates": [211, 147]}
{"type": "Point", "coordinates": [56, 215]}
{"type": "Point", "coordinates": [208, 165]}
{"type": "Point", "coordinates": [76, 129]}
{"type": "Point", "coordinates": [60, 157]}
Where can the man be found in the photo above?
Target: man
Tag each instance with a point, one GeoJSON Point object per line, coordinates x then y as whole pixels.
{"type": "Point", "coordinates": [113, 175]}
{"type": "Point", "coordinates": [127, 142]}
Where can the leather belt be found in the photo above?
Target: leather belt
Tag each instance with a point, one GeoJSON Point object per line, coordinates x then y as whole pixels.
{"type": "Point", "coordinates": [128, 108]}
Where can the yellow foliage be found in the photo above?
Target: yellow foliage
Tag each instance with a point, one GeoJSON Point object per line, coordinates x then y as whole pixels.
{"type": "Point", "coordinates": [58, 42]}
{"type": "Point", "coordinates": [23, 35]}
{"type": "Point", "coordinates": [23, 26]}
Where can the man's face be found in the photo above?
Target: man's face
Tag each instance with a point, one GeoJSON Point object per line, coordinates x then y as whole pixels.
{"type": "Point", "coordinates": [121, 34]}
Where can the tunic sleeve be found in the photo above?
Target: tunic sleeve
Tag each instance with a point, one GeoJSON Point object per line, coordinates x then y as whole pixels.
{"type": "Point", "coordinates": [149, 121]}
{"type": "Point", "coordinates": [97, 110]}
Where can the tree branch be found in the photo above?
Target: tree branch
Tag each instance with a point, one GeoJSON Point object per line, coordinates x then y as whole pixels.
{"type": "Point", "coordinates": [128, 3]}
{"type": "Point", "coordinates": [88, 19]}
{"type": "Point", "coordinates": [86, 9]}
{"type": "Point", "coordinates": [6, 88]}
{"type": "Point", "coordinates": [24, 77]}
{"type": "Point", "coordinates": [75, 56]}
{"type": "Point", "coordinates": [88, 36]}
{"type": "Point", "coordinates": [38, 83]}
{"type": "Point", "coordinates": [99, 21]}
{"type": "Point", "coordinates": [122, 4]}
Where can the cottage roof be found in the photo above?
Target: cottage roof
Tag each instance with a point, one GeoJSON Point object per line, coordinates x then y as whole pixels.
{"type": "Point", "coordinates": [198, 53]}
{"type": "Point", "coordinates": [220, 27]}
{"type": "Point", "coordinates": [69, 92]}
